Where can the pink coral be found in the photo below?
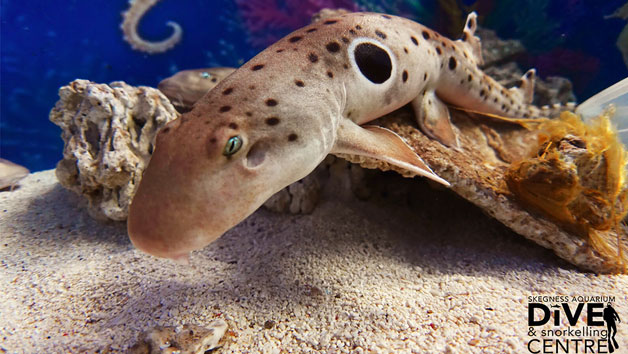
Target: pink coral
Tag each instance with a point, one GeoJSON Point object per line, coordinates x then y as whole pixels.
{"type": "Point", "coordinates": [269, 20]}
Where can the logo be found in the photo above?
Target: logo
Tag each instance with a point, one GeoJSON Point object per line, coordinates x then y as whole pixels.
{"type": "Point", "coordinates": [572, 324]}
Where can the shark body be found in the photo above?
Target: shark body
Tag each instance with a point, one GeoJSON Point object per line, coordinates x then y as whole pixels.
{"type": "Point", "coordinates": [275, 119]}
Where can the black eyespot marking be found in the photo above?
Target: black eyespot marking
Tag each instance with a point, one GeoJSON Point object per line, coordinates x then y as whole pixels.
{"type": "Point", "coordinates": [495, 99]}
{"type": "Point", "coordinates": [292, 137]}
{"type": "Point", "coordinates": [387, 17]}
{"type": "Point", "coordinates": [313, 57]}
{"type": "Point", "coordinates": [465, 55]}
{"type": "Point", "coordinates": [373, 62]}
{"type": "Point", "coordinates": [212, 140]}
{"type": "Point", "coordinates": [249, 114]}
{"type": "Point", "coordinates": [439, 51]}
{"type": "Point", "coordinates": [258, 67]}
{"type": "Point", "coordinates": [353, 32]}
{"type": "Point", "coordinates": [272, 121]}
{"type": "Point", "coordinates": [233, 125]}
{"type": "Point", "coordinates": [165, 130]}
{"type": "Point", "coordinates": [345, 39]}
{"type": "Point", "coordinates": [312, 30]}
{"type": "Point", "coordinates": [380, 34]}
{"type": "Point", "coordinates": [214, 79]}
{"type": "Point", "coordinates": [426, 35]}
{"type": "Point", "coordinates": [444, 44]}
{"type": "Point", "coordinates": [227, 91]}
{"type": "Point", "coordinates": [424, 76]}
{"type": "Point", "coordinates": [414, 40]}
{"type": "Point", "coordinates": [345, 66]}
{"type": "Point", "coordinates": [503, 107]}
{"type": "Point", "coordinates": [252, 87]}
{"type": "Point", "coordinates": [295, 39]}
{"type": "Point", "coordinates": [330, 74]}
{"type": "Point", "coordinates": [279, 50]}
{"type": "Point", "coordinates": [358, 27]}
{"type": "Point", "coordinates": [405, 50]}
{"type": "Point", "coordinates": [333, 47]}
{"type": "Point", "coordinates": [299, 83]}
{"type": "Point", "coordinates": [470, 78]}
{"type": "Point", "coordinates": [329, 22]}
{"type": "Point", "coordinates": [452, 63]}
{"type": "Point", "coordinates": [271, 102]}
{"type": "Point", "coordinates": [404, 76]}
{"type": "Point", "coordinates": [224, 109]}
{"type": "Point", "coordinates": [482, 92]}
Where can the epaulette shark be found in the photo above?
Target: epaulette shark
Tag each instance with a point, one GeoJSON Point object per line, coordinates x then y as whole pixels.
{"type": "Point", "coordinates": [272, 121]}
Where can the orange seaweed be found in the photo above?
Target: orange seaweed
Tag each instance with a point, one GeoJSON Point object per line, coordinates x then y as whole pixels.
{"type": "Point", "coordinates": [576, 175]}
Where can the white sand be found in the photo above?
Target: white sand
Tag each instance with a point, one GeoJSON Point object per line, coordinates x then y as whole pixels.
{"type": "Point", "coordinates": [438, 277]}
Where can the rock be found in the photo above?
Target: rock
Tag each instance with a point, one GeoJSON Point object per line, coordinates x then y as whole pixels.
{"type": "Point", "coordinates": [186, 339]}
{"type": "Point", "coordinates": [108, 131]}
{"type": "Point", "coordinates": [477, 173]}
{"type": "Point", "coordinates": [497, 51]}
{"type": "Point", "coordinates": [499, 63]}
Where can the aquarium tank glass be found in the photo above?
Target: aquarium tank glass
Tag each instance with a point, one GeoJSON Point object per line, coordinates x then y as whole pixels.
{"type": "Point", "coordinates": [47, 44]}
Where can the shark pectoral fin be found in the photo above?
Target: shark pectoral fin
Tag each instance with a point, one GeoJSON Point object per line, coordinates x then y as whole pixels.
{"type": "Point", "coordinates": [433, 118]}
{"type": "Point", "coordinates": [381, 144]}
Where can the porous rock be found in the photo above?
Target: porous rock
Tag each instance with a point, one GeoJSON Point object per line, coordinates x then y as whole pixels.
{"type": "Point", "coordinates": [108, 131]}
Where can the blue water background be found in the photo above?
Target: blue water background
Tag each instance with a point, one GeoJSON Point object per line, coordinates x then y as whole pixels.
{"type": "Point", "coordinates": [45, 44]}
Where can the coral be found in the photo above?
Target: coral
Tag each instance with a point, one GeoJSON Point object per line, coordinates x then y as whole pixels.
{"type": "Point", "coordinates": [108, 131]}
{"type": "Point", "coordinates": [186, 339]}
{"type": "Point", "coordinates": [133, 16]}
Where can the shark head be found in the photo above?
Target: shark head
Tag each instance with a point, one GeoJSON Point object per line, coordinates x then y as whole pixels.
{"type": "Point", "coordinates": [216, 165]}
{"type": "Point", "coordinates": [188, 86]}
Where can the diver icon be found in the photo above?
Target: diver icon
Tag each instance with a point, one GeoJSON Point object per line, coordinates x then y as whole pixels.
{"type": "Point", "coordinates": [610, 315]}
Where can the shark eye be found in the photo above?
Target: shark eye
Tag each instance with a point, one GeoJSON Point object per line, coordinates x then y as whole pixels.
{"type": "Point", "coordinates": [233, 145]}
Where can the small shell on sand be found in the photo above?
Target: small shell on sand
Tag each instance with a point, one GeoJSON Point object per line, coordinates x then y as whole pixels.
{"type": "Point", "coordinates": [186, 339]}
